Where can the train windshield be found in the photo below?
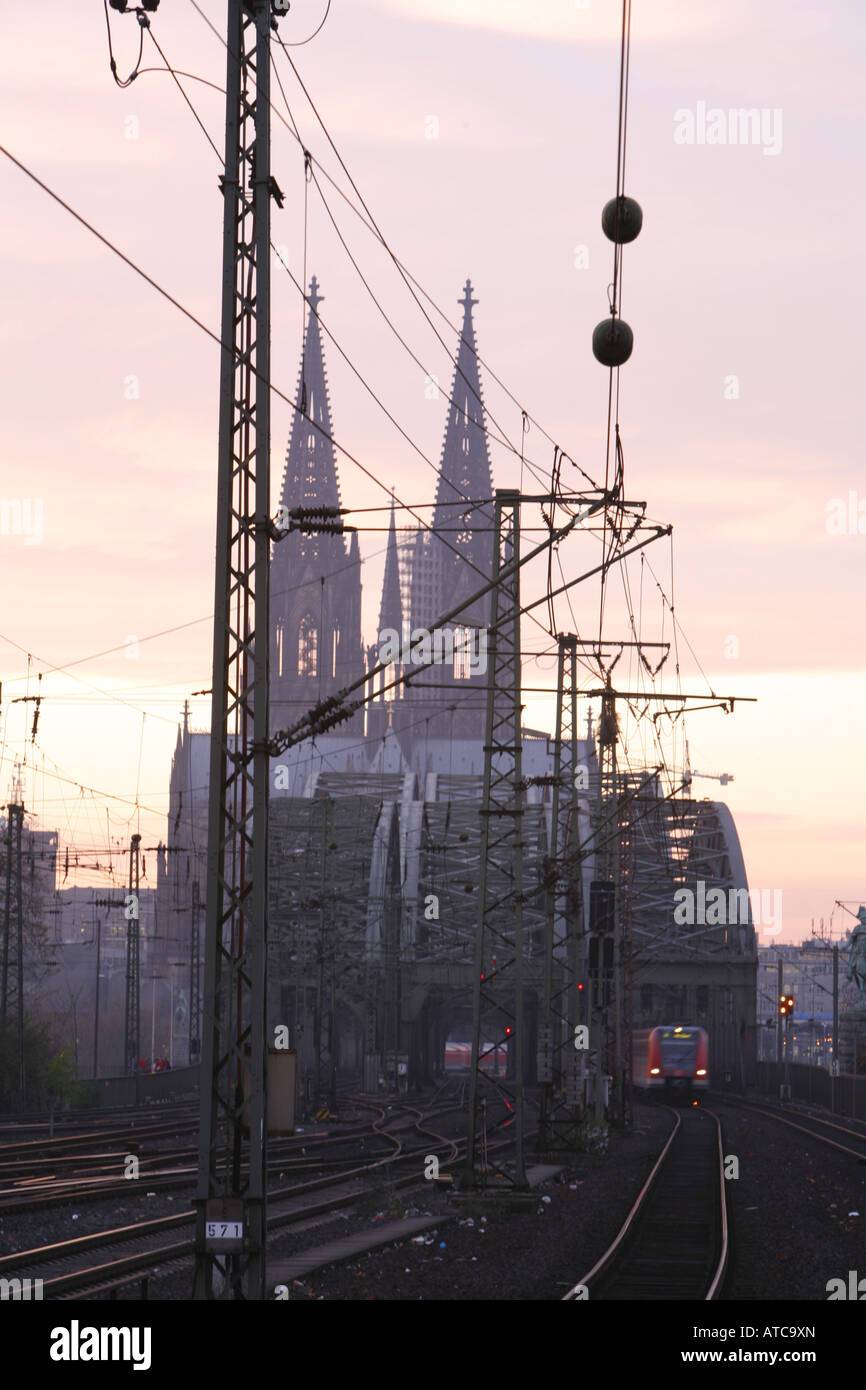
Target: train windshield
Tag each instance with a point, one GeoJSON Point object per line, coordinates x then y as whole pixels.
{"type": "Point", "coordinates": [678, 1049]}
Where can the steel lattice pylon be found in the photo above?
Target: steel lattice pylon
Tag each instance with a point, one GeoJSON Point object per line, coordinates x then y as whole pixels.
{"type": "Point", "coordinates": [195, 976]}
{"type": "Point", "coordinates": [497, 1010]}
{"type": "Point", "coordinates": [326, 985]}
{"type": "Point", "coordinates": [12, 991]}
{"type": "Point", "coordinates": [560, 1050]}
{"type": "Point", "coordinates": [603, 938]}
{"type": "Point", "coordinates": [624, 1097]}
{"type": "Point", "coordinates": [132, 1016]}
{"type": "Point", "coordinates": [231, 1195]}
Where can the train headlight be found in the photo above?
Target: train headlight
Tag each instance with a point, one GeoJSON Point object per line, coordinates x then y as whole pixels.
{"type": "Point", "coordinates": [654, 1071]}
{"type": "Point", "coordinates": [702, 1071]}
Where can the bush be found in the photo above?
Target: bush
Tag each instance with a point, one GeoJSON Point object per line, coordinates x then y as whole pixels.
{"type": "Point", "coordinates": [48, 1070]}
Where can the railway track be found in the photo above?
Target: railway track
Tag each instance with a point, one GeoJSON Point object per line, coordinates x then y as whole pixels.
{"type": "Point", "coordinates": [674, 1242]}
{"type": "Point", "coordinates": [829, 1132]}
{"type": "Point", "coordinates": [69, 1123]}
{"type": "Point", "coordinates": [105, 1260]}
{"type": "Point", "coordinates": [40, 1173]}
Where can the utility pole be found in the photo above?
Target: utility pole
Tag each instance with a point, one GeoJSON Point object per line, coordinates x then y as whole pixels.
{"type": "Point", "coordinates": [834, 1065]}
{"type": "Point", "coordinates": [14, 816]}
{"type": "Point", "coordinates": [195, 977]}
{"type": "Point", "coordinates": [561, 1049]}
{"type": "Point", "coordinates": [14, 958]}
{"type": "Point", "coordinates": [390, 948]}
{"type": "Point", "coordinates": [7, 919]}
{"type": "Point", "coordinates": [780, 987]}
{"type": "Point", "coordinates": [497, 1003]}
{"type": "Point", "coordinates": [133, 961]}
{"type": "Point", "coordinates": [153, 980]}
{"type": "Point", "coordinates": [372, 992]}
{"type": "Point", "coordinates": [323, 1034]}
{"type": "Point", "coordinates": [231, 1198]}
{"type": "Point", "coordinates": [96, 1001]}
{"type": "Point", "coordinates": [604, 900]}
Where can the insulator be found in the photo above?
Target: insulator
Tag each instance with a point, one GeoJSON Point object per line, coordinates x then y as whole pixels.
{"type": "Point", "coordinates": [608, 724]}
{"type": "Point", "coordinates": [621, 220]}
{"type": "Point", "coordinates": [612, 342]}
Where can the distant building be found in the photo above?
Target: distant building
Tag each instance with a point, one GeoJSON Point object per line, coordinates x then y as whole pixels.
{"type": "Point", "coordinates": [807, 977]}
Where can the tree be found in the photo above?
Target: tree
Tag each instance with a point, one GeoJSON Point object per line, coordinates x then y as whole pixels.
{"type": "Point", "coordinates": [48, 1070]}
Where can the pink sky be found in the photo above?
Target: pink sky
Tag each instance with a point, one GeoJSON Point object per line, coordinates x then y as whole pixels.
{"type": "Point", "coordinates": [742, 270]}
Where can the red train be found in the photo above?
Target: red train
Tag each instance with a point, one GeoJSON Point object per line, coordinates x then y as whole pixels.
{"type": "Point", "coordinates": [672, 1060]}
{"type": "Point", "coordinates": [459, 1055]}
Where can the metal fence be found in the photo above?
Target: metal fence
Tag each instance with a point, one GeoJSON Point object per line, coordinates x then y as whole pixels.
{"type": "Point", "coordinates": [845, 1094]}
{"type": "Point", "coordinates": [132, 1090]}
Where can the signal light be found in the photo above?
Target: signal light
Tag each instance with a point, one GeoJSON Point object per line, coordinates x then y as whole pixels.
{"type": "Point", "coordinates": [701, 1071]}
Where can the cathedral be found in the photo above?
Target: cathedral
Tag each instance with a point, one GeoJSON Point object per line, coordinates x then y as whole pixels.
{"type": "Point", "coordinates": [374, 836]}
{"type": "Point", "coordinates": [317, 647]}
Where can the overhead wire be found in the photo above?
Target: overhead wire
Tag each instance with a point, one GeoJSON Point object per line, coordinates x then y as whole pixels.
{"type": "Point", "coordinates": [200, 123]}
{"type": "Point", "coordinates": [169, 631]}
{"type": "Point", "coordinates": [408, 281]}
{"type": "Point", "coordinates": [613, 395]}
{"type": "Point", "coordinates": [142, 25]}
{"type": "Point", "coordinates": [525, 415]}
{"type": "Point", "coordinates": [299, 43]}
{"type": "Point", "coordinates": [369, 222]}
{"type": "Point", "coordinates": [368, 473]}
{"type": "Point", "coordinates": [216, 338]}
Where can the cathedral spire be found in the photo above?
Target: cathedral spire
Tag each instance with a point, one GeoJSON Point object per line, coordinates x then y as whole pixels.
{"type": "Point", "coordinates": [465, 464]}
{"type": "Point", "coordinates": [441, 575]}
{"type": "Point", "coordinates": [391, 607]}
{"type": "Point", "coordinates": [310, 476]}
{"type": "Point", "coordinates": [315, 579]}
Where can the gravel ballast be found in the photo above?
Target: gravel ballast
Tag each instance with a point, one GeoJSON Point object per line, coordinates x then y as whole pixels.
{"type": "Point", "coordinates": [796, 1208]}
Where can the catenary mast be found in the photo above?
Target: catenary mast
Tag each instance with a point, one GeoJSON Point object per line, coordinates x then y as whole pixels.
{"type": "Point", "coordinates": [231, 1198]}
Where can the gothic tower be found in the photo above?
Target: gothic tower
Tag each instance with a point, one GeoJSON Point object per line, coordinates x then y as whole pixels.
{"type": "Point", "coordinates": [449, 566]}
{"type": "Point", "coordinates": [315, 579]}
{"type": "Point", "coordinates": [391, 626]}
